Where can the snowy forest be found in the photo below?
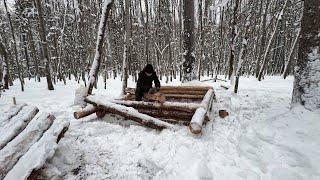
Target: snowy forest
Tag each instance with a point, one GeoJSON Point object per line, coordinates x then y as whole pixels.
{"type": "Point", "coordinates": [159, 89]}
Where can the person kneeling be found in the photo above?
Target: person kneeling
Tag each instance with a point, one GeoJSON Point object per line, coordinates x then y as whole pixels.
{"type": "Point", "coordinates": [144, 84]}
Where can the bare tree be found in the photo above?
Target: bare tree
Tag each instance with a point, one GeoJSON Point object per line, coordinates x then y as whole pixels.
{"type": "Point", "coordinates": [14, 46]}
{"type": "Point", "coordinates": [97, 57]}
{"type": "Point", "coordinates": [126, 46]}
{"type": "Point", "coordinates": [42, 33]}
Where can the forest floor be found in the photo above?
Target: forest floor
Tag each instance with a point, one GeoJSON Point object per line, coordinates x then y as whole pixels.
{"type": "Point", "coordinates": [262, 138]}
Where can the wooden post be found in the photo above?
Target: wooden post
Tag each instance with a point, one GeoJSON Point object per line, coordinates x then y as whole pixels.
{"type": "Point", "coordinates": [14, 100]}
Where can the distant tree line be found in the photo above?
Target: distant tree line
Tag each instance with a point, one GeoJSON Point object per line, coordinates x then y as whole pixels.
{"type": "Point", "coordinates": [183, 39]}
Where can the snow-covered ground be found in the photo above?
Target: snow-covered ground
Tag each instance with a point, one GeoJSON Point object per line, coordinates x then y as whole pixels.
{"type": "Point", "coordinates": [262, 138]}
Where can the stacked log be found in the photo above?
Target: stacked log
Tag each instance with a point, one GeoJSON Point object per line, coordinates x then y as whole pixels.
{"type": "Point", "coordinates": [13, 111]}
{"type": "Point", "coordinates": [11, 153]}
{"type": "Point", "coordinates": [146, 113]}
{"type": "Point", "coordinates": [44, 149]}
{"type": "Point", "coordinates": [16, 124]}
{"type": "Point", "coordinates": [178, 92]}
{"type": "Point", "coordinates": [141, 105]}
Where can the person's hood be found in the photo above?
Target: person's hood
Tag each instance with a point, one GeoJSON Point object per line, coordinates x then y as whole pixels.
{"type": "Point", "coordinates": [148, 68]}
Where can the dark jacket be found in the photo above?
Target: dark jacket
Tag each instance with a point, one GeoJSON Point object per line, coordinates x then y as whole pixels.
{"type": "Point", "coordinates": [144, 83]}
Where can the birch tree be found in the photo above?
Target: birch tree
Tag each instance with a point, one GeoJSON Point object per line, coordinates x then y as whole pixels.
{"type": "Point", "coordinates": [93, 74]}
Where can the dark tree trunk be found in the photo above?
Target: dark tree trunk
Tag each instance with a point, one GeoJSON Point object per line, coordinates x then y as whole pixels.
{"type": "Point", "coordinates": [42, 34]}
{"type": "Point", "coordinates": [189, 56]}
{"type": "Point", "coordinates": [306, 89]}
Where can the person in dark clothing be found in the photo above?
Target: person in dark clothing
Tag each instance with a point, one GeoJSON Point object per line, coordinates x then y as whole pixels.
{"type": "Point", "coordinates": [144, 84]}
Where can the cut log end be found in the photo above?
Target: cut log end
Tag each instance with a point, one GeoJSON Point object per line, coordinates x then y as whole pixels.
{"type": "Point", "coordinates": [88, 110]}
{"type": "Point", "coordinates": [223, 113]}
{"type": "Point", "coordinates": [195, 128]}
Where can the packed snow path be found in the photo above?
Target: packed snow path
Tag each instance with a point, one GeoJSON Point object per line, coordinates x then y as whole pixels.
{"type": "Point", "coordinates": [261, 139]}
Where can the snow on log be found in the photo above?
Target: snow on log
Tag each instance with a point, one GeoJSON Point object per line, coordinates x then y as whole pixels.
{"type": "Point", "coordinates": [200, 114]}
{"type": "Point", "coordinates": [128, 112]}
{"type": "Point", "coordinates": [197, 120]}
{"type": "Point", "coordinates": [89, 109]}
{"type": "Point", "coordinates": [17, 124]}
{"type": "Point", "coordinates": [14, 110]}
{"type": "Point", "coordinates": [207, 100]}
{"type": "Point", "coordinates": [39, 152]}
{"type": "Point", "coordinates": [174, 106]}
{"type": "Point", "coordinates": [11, 153]}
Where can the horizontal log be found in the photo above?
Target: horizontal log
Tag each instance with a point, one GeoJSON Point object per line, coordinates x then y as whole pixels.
{"type": "Point", "coordinates": [173, 121]}
{"type": "Point", "coordinates": [128, 113]}
{"type": "Point", "coordinates": [159, 97]}
{"type": "Point", "coordinates": [13, 111]}
{"type": "Point", "coordinates": [17, 124]}
{"type": "Point", "coordinates": [11, 153]}
{"type": "Point", "coordinates": [174, 106]}
{"type": "Point", "coordinates": [177, 91]}
{"type": "Point", "coordinates": [88, 110]}
{"type": "Point", "coordinates": [192, 90]}
{"type": "Point", "coordinates": [44, 149]}
{"type": "Point", "coordinates": [179, 116]}
{"type": "Point", "coordinates": [184, 96]}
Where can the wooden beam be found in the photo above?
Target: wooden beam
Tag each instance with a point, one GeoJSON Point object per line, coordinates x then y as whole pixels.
{"type": "Point", "coordinates": [165, 114]}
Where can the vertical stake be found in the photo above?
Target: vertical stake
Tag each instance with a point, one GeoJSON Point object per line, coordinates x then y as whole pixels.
{"type": "Point", "coordinates": [14, 100]}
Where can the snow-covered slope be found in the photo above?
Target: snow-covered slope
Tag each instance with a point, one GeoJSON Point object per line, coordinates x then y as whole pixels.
{"type": "Point", "coordinates": [261, 139]}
